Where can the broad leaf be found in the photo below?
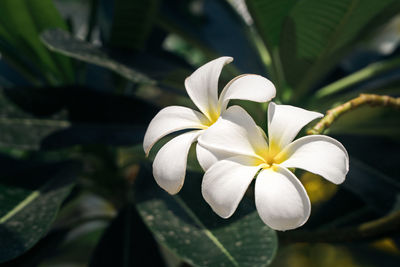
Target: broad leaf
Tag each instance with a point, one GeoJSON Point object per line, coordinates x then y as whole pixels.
{"type": "Point", "coordinates": [76, 247]}
{"type": "Point", "coordinates": [373, 175]}
{"type": "Point", "coordinates": [41, 250]}
{"type": "Point", "coordinates": [110, 119]}
{"type": "Point", "coordinates": [269, 17]}
{"type": "Point", "coordinates": [131, 22]}
{"type": "Point", "coordinates": [127, 242]}
{"type": "Point", "coordinates": [218, 30]}
{"type": "Point", "coordinates": [369, 121]}
{"type": "Point", "coordinates": [317, 33]}
{"type": "Point", "coordinates": [188, 227]}
{"type": "Point", "coordinates": [21, 22]}
{"type": "Point", "coordinates": [307, 38]}
{"type": "Point", "coordinates": [21, 130]}
{"type": "Point", "coordinates": [89, 134]}
{"type": "Point", "coordinates": [30, 196]}
{"type": "Point", "coordinates": [62, 42]}
{"type": "Point", "coordinates": [380, 192]}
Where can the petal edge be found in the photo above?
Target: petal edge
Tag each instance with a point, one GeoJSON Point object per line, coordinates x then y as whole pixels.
{"type": "Point", "coordinates": [202, 85]}
{"type": "Point", "coordinates": [225, 183]}
{"type": "Point", "coordinates": [250, 87]}
{"type": "Point", "coordinates": [319, 154]}
{"type": "Point", "coordinates": [169, 165]}
{"type": "Point", "coordinates": [281, 200]}
{"type": "Point", "coordinates": [169, 120]}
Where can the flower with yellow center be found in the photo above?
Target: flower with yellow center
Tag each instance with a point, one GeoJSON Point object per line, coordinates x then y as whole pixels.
{"type": "Point", "coordinates": [169, 166]}
{"type": "Point", "coordinates": [238, 152]}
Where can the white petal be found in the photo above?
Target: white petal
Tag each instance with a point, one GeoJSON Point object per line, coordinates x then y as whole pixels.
{"type": "Point", "coordinates": [171, 119]}
{"type": "Point", "coordinates": [169, 166]}
{"type": "Point", "coordinates": [285, 122]}
{"type": "Point", "coordinates": [202, 85]}
{"type": "Point", "coordinates": [235, 132]}
{"type": "Point", "coordinates": [248, 87]}
{"type": "Point", "coordinates": [225, 183]}
{"type": "Point", "coordinates": [318, 154]}
{"type": "Point", "coordinates": [281, 200]}
{"type": "Point", "coordinates": [207, 158]}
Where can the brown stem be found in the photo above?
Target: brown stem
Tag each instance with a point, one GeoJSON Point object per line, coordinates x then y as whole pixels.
{"type": "Point", "coordinates": [364, 99]}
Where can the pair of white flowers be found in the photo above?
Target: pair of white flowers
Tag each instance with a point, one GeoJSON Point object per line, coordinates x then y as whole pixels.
{"type": "Point", "coordinates": [233, 150]}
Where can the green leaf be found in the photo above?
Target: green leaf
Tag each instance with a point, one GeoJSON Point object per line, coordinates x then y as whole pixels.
{"type": "Point", "coordinates": [269, 17]}
{"type": "Point", "coordinates": [132, 23]}
{"type": "Point", "coordinates": [211, 33]}
{"type": "Point", "coordinates": [78, 245]}
{"type": "Point", "coordinates": [127, 242]}
{"type": "Point", "coordinates": [360, 76]}
{"type": "Point", "coordinates": [379, 191]}
{"type": "Point", "coordinates": [110, 119]}
{"type": "Point", "coordinates": [188, 227]}
{"type": "Point", "coordinates": [21, 22]}
{"type": "Point", "coordinates": [373, 174]}
{"type": "Point", "coordinates": [46, 246]}
{"type": "Point", "coordinates": [307, 38]}
{"type": "Point", "coordinates": [317, 33]}
{"type": "Point", "coordinates": [30, 196]}
{"type": "Point", "coordinates": [62, 42]}
{"type": "Point", "coordinates": [27, 133]}
{"type": "Point", "coordinates": [375, 121]}
{"type": "Point", "coordinates": [20, 129]}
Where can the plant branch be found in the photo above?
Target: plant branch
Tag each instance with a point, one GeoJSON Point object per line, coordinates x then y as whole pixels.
{"type": "Point", "coordinates": [363, 99]}
{"type": "Point", "coordinates": [358, 76]}
{"type": "Point", "coordinates": [371, 230]}
{"type": "Point", "coordinates": [375, 229]}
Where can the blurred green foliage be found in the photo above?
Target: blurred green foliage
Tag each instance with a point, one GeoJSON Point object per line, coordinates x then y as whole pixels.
{"type": "Point", "coordinates": [81, 80]}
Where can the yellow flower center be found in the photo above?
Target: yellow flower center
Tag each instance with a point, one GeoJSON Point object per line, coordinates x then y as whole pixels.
{"type": "Point", "coordinates": [212, 116]}
{"type": "Point", "coordinates": [271, 157]}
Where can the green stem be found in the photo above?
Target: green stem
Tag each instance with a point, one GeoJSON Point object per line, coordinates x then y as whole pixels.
{"type": "Point", "coordinates": [358, 77]}
{"type": "Point", "coordinates": [262, 50]}
{"type": "Point", "coordinates": [371, 230]}
{"type": "Point", "coordinates": [363, 99]}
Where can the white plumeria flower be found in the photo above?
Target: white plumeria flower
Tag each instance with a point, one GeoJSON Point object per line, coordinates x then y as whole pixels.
{"type": "Point", "coordinates": [169, 166]}
{"type": "Point", "coordinates": [240, 150]}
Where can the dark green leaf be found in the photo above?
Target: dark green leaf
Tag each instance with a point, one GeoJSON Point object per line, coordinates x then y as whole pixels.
{"type": "Point", "coordinates": [27, 133]}
{"type": "Point", "coordinates": [110, 119]}
{"type": "Point", "coordinates": [127, 242]}
{"type": "Point", "coordinates": [317, 33]}
{"type": "Point", "coordinates": [218, 31]}
{"type": "Point", "coordinates": [77, 246]}
{"type": "Point", "coordinates": [41, 250]}
{"type": "Point", "coordinates": [188, 227]}
{"type": "Point", "coordinates": [39, 101]}
{"type": "Point", "coordinates": [30, 196]}
{"type": "Point", "coordinates": [21, 130]}
{"type": "Point", "coordinates": [21, 22]}
{"type": "Point", "coordinates": [132, 22]}
{"type": "Point", "coordinates": [62, 42]}
{"type": "Point", "coordinates": [88, 134]}
{"type": "Point", "coordinates": [269, 17]}
{"type": "Point", "coordinates": [379, 191]}
{"type": "Point", "coordinates": [373, 175]}
{"type": "Point", "coordinates": [371, 121]}
{"type": "Point", "coordinates": [307, 38]}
